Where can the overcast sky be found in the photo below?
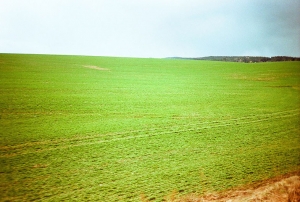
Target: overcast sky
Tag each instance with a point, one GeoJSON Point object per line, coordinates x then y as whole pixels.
{"type": "Point", "coordinates": [151, 28]}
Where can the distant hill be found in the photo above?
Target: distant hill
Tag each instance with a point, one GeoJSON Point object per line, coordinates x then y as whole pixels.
{"type": "Point", "coordinates": [246, 59]}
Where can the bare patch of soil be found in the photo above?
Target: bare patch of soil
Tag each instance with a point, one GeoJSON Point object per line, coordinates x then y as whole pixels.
{"type": "Point", "coordinates": [284, 188]}
{"type": "Point", "coordinates": [96, 67]}
{"type": "Point", "coordinates": [253, 78]}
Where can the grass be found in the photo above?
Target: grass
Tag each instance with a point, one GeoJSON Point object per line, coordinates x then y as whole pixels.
{"type": "Point", "coordinates": [115, 129]}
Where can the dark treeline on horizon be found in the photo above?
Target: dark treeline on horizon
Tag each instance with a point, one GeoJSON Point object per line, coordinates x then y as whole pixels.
{"type": "Point", "coordinates": [247, 59]}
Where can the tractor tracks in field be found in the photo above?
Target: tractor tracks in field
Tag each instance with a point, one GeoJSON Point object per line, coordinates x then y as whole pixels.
{"type": "Point", "coordinates": [65, 143]}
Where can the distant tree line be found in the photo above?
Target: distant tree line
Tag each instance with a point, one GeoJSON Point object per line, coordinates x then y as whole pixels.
{"type": "Point", "coordinates": [248, 59]}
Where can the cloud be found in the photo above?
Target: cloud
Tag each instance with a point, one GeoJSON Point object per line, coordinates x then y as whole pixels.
{"type": "Point", "coordinates": [151, 28]}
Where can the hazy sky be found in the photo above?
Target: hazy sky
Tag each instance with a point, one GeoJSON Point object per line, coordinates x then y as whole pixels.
{"type": "Point", "coordinates": [151, 28]}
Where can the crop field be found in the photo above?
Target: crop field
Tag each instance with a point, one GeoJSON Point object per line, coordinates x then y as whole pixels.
{"type": "Point", "coordinates": [82, 128]}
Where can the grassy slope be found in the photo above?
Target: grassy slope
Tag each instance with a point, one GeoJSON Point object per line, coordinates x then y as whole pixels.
{"type": "Point", "coordinates": [143, 126]}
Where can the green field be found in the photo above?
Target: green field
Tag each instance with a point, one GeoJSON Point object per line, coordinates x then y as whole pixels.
{"type": "Point", "coordinates": [112, 129]}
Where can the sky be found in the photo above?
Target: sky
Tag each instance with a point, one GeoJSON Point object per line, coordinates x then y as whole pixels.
{"type": "Point", "coordinates": [151, 28]}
